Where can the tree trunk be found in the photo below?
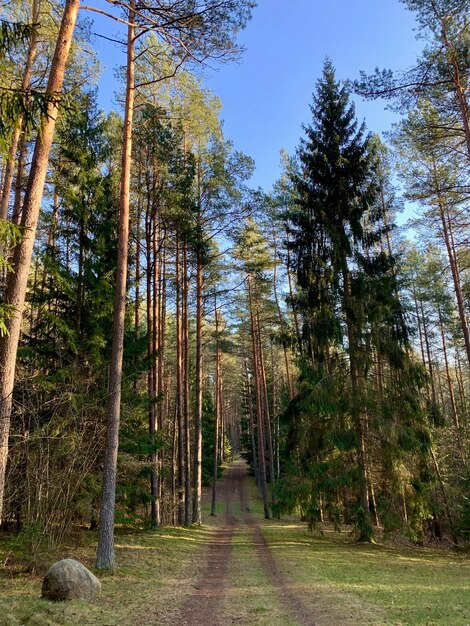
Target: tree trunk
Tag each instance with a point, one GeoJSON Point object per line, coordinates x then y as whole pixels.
{"type": "Point", "coordinates": [265, 400]}
{"type": "Point", "coordinates": [251, 422]}
{"type": "Point", "coordinates": [187, 430]}
{"type": "Point", "coordinates": [25, 85]}
{"type": "Point", "coordinates": [453, 265]}
{"type": "Point", "coordinates": [18, 279]}
{"type": "Point", "coordinates": [365, 525]}
{"type": "Point", "coordinates": [179, 386]}
{"type": "Point", "coordinates": [217, 409]}
{"type": "Point", "coordinates": [460, 83]}
{"type": "Point", "coordinates": [444, 496]}
{"type": "Point", "coordinates": [292, 303]}
{"type": "Point", "coordinates": [450, 387]}
{"type": "Point", "coordinates": [428, 352]}
{"type": "Point", "coordinates": [197, 471]}
{"type": "Point", "coordinates": [105, 554]}
{"type": "Point", "coordinates": [155, 503]}
{"type": "Point", "coordinates": [290, 387]}
{"type": "Point", "coordinates": [259, 410]}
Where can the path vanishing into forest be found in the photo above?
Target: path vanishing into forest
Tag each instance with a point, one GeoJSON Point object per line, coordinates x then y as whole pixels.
{"type": "Point", "coordinates": [220, 595]}
{"type": "Point", "coordinates": [239, 569]}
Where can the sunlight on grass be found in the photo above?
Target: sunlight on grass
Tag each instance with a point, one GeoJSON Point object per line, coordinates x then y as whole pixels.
{"type": "Point", "coordinates": [340, 581]}
{"type": "Point", "coordinates": [403, 585]}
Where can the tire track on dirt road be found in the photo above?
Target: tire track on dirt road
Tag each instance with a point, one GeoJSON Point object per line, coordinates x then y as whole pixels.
{"type": "Point", "coordinates": [289, 599]}
{"type": "Point", "coordinates": [204, 605]}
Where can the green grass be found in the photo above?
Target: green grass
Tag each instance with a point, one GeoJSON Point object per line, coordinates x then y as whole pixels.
{"type": "Point", "coordinates": [148, 586]}
{"type": "Point", "coordinates": [340, 581]}
{"type": "Point", "coordinates": [249, 595]}
{"type": "Point", "coordinates": [373, 583]}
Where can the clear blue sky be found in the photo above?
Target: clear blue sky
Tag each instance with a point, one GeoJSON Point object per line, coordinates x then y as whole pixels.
{"type": "Point", "coordinates": [266, 95]}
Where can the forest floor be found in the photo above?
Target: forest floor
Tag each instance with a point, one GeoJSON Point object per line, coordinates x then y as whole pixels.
{"type": "Point", "coordinates": [239, 569]}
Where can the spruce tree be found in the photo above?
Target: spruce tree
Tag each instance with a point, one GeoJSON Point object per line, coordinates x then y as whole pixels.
{"type": "Point", "coordinates": [334, 229]}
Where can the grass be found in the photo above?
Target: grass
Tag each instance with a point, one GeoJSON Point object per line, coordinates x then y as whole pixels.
{"type": "Point", "coordinates": [250, 596]}
{"type": "Point", "coordinates": [149, 584]}
{"type": "Point", "coordinates": [375, 584]}
{"type": "Point", "coordinates": [339, 581]}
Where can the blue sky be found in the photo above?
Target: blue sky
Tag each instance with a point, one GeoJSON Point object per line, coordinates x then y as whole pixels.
{"type": "Point", "coordinates": [266, 95]}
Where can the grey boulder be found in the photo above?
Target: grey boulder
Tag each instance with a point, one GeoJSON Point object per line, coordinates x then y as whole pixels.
{"type": "Point", "coordinates": [70, 580]}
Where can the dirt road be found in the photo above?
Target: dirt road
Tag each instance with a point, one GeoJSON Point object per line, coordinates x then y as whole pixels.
{"type": "Point", "coordinates": [241, 582]}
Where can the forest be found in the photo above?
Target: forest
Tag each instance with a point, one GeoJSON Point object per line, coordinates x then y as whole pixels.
{"type": "Point", "coordinates": [160, 316]}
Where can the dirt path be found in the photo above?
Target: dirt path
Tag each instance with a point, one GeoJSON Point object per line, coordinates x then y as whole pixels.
{"type": "Point", "coordinates": [212, 602]}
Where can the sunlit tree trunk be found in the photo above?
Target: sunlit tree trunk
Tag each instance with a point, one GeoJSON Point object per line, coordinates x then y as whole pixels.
{"type": "Point", "coordinates": [265, 400]}
{"type": "Point", "coordinates": [105, 555]}
{"type": "Point", "coordinates": [432, 378]}
{"type": "Point", "coordinates": [217, 408]}
{"type": "Point", "coordinates": [187, 429]}
{"type": "Point", "coordinates": [179, 385]}
{"type": "Point", "coordinates": [18, 279]}
{"type": "Point", "coordinates": [197, 469]}
{"type": "Point", "coordinates": [453, 264]}
{"type": "Point", "coordinates": [450, 387]}
{"type": "Point", "coordinates": [259, 409]}
{"type": "Point", "coordinates": [25, 85]}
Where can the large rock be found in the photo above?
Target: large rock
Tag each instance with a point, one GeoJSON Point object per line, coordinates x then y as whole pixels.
{"type": "Point", "coordinates": [70, 580]}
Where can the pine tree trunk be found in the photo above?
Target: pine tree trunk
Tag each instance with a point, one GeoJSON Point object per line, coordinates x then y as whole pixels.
{"type": "Point", "coordinates": [450, 387]}
{"type": "Point", "coordinates": [259, 411]}
{"type": "Point", "coordinates": [18, 279]}
{"type": "Point", "coordinates": [19, 182]}
{"type": "Point", "coordinates": [444, 496]}
{"type": "Point", "coordinates": [162, 413]}
{"type": "Point", "coordinates": [155, 503]}
{"type": "Point", "coordinates": [460, 83]}
{"type": "Point", "coordinates": [290, 387]}
{"type": "Point", "coordinates": [25, 85]}
{"type": "Point", "coordinates": [428, 352]}
{"type": "Point", "coordinates": [292, 302]}
{"type": "Point", "coordinates": [265, 401]}
{"type": "Point", "coordinates": [453, 266]}
{"type": "Point", "coordinates": [251, 422]}
{"type": "Point", "coordinates": [197, 471]}
{"type": "Point", "coordinates": [187, 430]}
{"type": "Point", "coordinates": [105, 554]}
{"type": "Point", "coordinates": [462, 394]}
{"type": "Point", "coordinates": [137, 302]}
{"type": "Point", "coordinates": [217, 409]}
{"type": "Point", "coordinates": [179, 385]}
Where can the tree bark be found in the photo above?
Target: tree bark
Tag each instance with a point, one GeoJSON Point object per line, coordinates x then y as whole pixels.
{"type": "Point", "coordinates": [25, 85]}
{"type": "Point", "coordinates": [217, 409]}
{"type": "Point", "coordinates": [453, 264]}
{"type": "Point", "coordinates": [251, 427]}
{"type": "Point", "coordinates": [105, 555]}
{"type": "Point", "coordinates": [197, 470]}
{"type": "Point", "coordinates": [365, 527]}
{"type": "Point", "coordinates": [186, 418]}
{"type": "Point", "coordinates": [259, 409]}
{"type": "Point", "coordinates": [179, 386]}
{"type": "Point", "coordinates": [460, 87]}
{"type": "Point", "coordinates": [18, 279]}
{"type": "Point", "coordinates": [265, 401]}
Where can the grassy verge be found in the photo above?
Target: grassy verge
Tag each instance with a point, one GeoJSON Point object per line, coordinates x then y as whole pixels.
{"type": "Point", "coordinates": [148, 586]}
{"type": "Point", "coordinates": [374, 584]}
{"type": "Point", "coordinates": [341, 581]}
{"type": "Point", "coordinates": [249, 595]}
{"type": "Point", "coordinates": [369, 584]}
